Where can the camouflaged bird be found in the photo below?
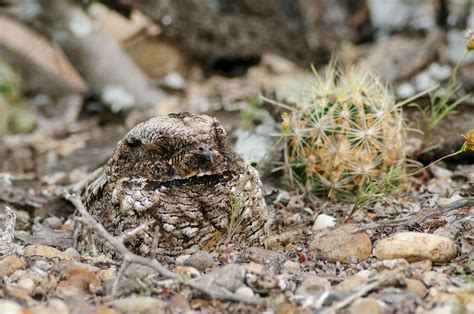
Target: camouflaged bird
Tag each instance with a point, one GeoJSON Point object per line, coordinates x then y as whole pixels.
{"type": "Point", "coordinates": [179, 172]}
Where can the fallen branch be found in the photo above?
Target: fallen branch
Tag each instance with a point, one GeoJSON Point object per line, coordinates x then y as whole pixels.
{"type": "Point", "coordinates": [361, 292]}
{"type": "Point", "coordinates": [129, 257]}
{"type": "Point", "coordinates": [417, 217]}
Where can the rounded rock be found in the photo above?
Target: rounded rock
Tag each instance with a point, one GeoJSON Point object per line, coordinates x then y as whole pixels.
{"type": "Point", "coordinates": [416, 246]}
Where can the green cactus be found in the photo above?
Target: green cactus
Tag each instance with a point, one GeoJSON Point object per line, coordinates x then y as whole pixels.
{"type": "Point", "coordinates": [345, 131]}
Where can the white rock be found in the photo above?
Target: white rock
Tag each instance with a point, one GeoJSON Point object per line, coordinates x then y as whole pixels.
{"type": "Point", "coordinates": [244, 292]}
{"type": "Point", "coordinates": [10, 307]}
{"type": "Point", "coordinates": [324, 221]}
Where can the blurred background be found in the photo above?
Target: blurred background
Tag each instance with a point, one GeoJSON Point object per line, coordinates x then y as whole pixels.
{"type": "Point", "coordinates": [75, 75]}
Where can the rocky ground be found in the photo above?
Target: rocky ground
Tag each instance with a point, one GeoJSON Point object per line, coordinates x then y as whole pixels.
{"type": "Point", "coordinates": [411, 252]}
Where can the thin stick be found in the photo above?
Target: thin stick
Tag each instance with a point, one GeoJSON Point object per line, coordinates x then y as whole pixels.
{"type": "Point", "coordinates": [417, 217]}
{"type": "Point", "coordinates": [361, 292]}
{"type": "Point", "coordinates": [129, 257]}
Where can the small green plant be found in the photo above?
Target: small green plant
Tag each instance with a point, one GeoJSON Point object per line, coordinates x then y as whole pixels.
{"type": "Point", "coordinates": [442, 103]}
{"type": "Point", "coordinates": [466, 272]}
{"type": "Point", "coordinates": [252, 113]}
{"type": "Point", "coordinates": [236, 215]}
{"type": "Point", "coordinates": [376, 189]}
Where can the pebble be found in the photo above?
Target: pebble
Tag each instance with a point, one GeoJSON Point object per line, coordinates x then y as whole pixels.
{"type": "Point", "coordinates": [44, 251]}
{"type": "Point", "coordinates": [229, 277]}
{"type": "Point", "coordinates": [390, 264]}
{"type": "Point", "coordinates": [291, 267]}
{"type": "Point", "coordinates": [366, 306]}
{"type": "Point", "coordinates": [186, 271]}
{"type": "Point", "coordinates": [39, 309]}
{"type": "Point", "coordinates": [10, 264]}
{"type": "Point", "coordinates": [10, 307]}
{"type": "Point", "coordinates": [353, 282]}
{"type": "Point", "coordinates": [416, 246]}
{"type": "Point", "coordinates": [139, 271]}
{"type": "Point", "coordinates": [58, 305]}
{"type": "Point", "coordinates": [261, 256]}
{"type": "Point", "coordinates": [244, 292]}
{"type": "Point", "coordinates": [107, 274]}
{"type": "Point", "coordinates": [341, 244]}
{"type": "Point", "coordinates": [137, 305]}
{"type": "Point", "coordinates": [312, 284]}
{"type": "Point", "coordinates": [72, 253]}
{"type": "Point", "coordinates": [253, 267]}
{"type": "Point", "coordinates": [103, 309]}
{"type": "Point", "coordinates": [180, 259]}
{"type": "Point", "coordinates": [415, 286]}
{"type": "Point", "coordinates": [26, 284]}
{"type": "Point", "coordinates": [53, 222]}
{"type": "Point", "coordinates": [201, 260]}
{"type": "Point", "coordinates": [424, 264]}
{"type": "Point", "coordinates": [78, 281]}
{"type": "Point", "coordinates": [324, 221]}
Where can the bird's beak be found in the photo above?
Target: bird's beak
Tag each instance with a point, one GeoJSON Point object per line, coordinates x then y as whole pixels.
{"type": "Point", "coordinates": [206, 153]}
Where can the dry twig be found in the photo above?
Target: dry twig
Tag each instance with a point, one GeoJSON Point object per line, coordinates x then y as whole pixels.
{"type": "Point", "coordinates": [362, 291]}
{"type": "Point", "coordinates": [129, 257]}
{"type": "Point", "coordinates": [417, 217]}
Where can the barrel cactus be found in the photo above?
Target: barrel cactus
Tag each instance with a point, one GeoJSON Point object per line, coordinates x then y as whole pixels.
{"type": "Point", "coordinates": [345, 131]}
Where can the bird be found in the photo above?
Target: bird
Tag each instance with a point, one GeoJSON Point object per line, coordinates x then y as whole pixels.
{"type": "Point", "coordinates": [178, 175]}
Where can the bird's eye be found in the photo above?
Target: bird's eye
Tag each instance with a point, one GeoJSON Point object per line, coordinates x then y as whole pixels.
{"type": "Point", "coordinates": [133, 142]}
{"type": "Point", "coordinates": [201, 148]}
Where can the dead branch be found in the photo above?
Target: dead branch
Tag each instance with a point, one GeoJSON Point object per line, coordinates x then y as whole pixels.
{"type": "Point", "coordinates": [362, 291]}
{"type": "Point", "coordinates": [129, 257]}
{"type": "Point", "coordinates": [417, 217]}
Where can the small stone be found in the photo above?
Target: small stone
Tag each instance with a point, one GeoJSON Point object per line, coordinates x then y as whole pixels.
{"type": "Point", "coordinates": [39, 309]}
{"type": "Point", "coordinates": [390, 264]}
{"type": "Point", "coordinates": [244, 292]}
{"type": "Point", "coordinates": [186, 271]}
{"type": "Point", "coordinates": [201, 260]}
{"type": "Point", "coordinates": [261, 256]}
{"type": "Point", "coordinates": [292, 267]}
{"type": "Point", "coordinates": [253, 267]}
{"type": "Point", "coordinates": [353, 282]}
{"type": "Point", "coordinates": [43, 265]}
{"type": "Point", "coordinates": [58, 305]}
{"type": "Point", "coordinates": [340, 244]}
{"type": "Point", "coordinates": [26, 284]}
{"type": "Point", "coordinates": [449, 307]}
{"type": "Point", "coordinates": [229, 277]}
{"type": "Point", "coordinates": [106, 274]}
{"type": "Point", "coordinates": [139, 271]}
{"type": "Point", "coordinates": [313, 285]}
{"type": "Point", "coordinates": [143, 305]}
{"type": "Point", "coordinates": [435, 279]}
{"type": "Point", "coordinates": [10, 307]}
{"type": "Point", "coordinates": [10, 264]}
{"type": "Point", "coordinates": [72, 253]}
{"type": "Point", "coordinates": [324, 221]}
{"type": "Point", "coordinates": [424, 264]}
{"type": "Point", "coordinates": [53, 222]}
{"type": "Point", "coordinates": [415, 286]}
{"type": "Point", "coordinates": [180, 259]}
{"type": "Point", "coordinates": [104, 309]}
{"type": "Point", "coordinates": [366, 306]}
{"type": "Point", "coordinates": [416, 246]}
{"type": "Point", "coordinates": [43, 251]}
{"type": "Point", "coordinates": [79, 281]}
